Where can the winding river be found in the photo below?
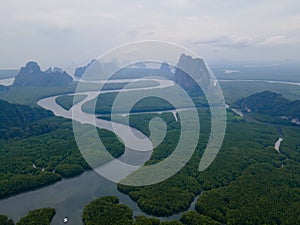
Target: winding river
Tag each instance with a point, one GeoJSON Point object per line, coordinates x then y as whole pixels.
{"type": "Point", "coordinates": [69, 196]}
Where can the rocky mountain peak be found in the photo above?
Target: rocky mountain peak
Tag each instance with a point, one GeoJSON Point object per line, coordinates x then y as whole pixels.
{"type": "Point", "coordinates": [32, 76]}
{"type": "Point", "coordinates": [31, 67]}
{"type": "Point", "coordinates": [187, 67]}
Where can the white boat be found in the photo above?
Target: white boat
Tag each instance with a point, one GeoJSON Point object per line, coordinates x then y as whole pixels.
{"type": "Point", "coordinates": [66, 220]}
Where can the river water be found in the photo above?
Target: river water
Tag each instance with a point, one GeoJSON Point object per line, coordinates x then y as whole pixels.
{"type": "Point", "coordinates": [277, 144]}
{"type": "Point", "coordinates": [69, 196]}
{"type": "Point", "coordinates": [7, 81]}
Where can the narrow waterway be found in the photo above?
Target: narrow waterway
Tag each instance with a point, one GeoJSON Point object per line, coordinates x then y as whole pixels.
{"type": "Point", "coordinates": [277, 144]}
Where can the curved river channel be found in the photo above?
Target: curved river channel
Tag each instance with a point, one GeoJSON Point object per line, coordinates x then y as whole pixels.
{"type": "Point", "coordinates": [69, 196]}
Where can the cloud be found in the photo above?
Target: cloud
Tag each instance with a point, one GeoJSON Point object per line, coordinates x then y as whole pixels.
{"type": "Point", "coordinates": [228, 41]}
{"type": "Point", "coordinates": [246, 41]}
{"type": "Point", "coordinates": [278, 40]}
{"type": "Point", "coordinates": [79, 30]}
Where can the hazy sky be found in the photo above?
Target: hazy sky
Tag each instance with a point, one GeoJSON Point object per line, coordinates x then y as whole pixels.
{"type": "Point", "coordinates": [68, 33]}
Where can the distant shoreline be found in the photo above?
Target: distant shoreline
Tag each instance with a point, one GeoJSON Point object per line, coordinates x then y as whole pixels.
{"type": "Point", "coordinates": [266, 81]}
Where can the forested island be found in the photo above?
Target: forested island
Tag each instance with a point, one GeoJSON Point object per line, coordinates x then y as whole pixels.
{"type": "Point", "coordinates": [108, 211]}
{"type": "Point", "coordinates": [272, 105]}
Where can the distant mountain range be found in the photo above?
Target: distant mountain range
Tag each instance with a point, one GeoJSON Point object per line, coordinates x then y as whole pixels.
{"type": "Point", "coordinates": [137, 70]}
{"type": "Point", "coordinates": [191, 66]}
{"type": "Point", "coordinates": [272, 104]}
{"type": "Point", "coordinates": [96, 68]}
{"type": "Point", "coordinates": [81, 70]}
{"type": "Point", "coordinates": [32, 76]}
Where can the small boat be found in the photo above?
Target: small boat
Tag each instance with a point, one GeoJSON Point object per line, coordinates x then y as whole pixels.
{"type": "Point", "coordinates": [66, 219]}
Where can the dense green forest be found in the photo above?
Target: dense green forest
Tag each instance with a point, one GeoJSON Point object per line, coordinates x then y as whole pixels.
{"type": "Point", "coordinates": [108, 211]}
{"type": "Point", "coordinates": [253, 175]}
{"type": "Point", "coordinates": [37, 151]}
{"type": "Point", "coordinates": [267, 119]}
{"type": "Point", "coordinates": [271, 103]}
{"type": "Point", "coordinates": [35, 217]}
{"type": "Point", "coordinates": [31, 95]}
{"type": "Point", "coordinates": [105, 102]}
{"type": "Point", "coordinates": [67, 101]}
{"type": "Point", "coordinates": [16, 120]}
{"type": "Point", "coordinates": [194, 218]}
{"type": "Point", "coordinates": [4, 220]}
{"type": "Point", "coordinates": [233, 91]}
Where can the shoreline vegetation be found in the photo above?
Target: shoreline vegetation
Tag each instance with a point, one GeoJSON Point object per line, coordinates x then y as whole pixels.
{"type": "Point", "coordinates": [207, 181]}
{"type": "Point", "coordinates": [249, 166]}
{"type": "Point", "coordinates": [34, 217]}
{"type": "Point", "coordinates": [38, 149]}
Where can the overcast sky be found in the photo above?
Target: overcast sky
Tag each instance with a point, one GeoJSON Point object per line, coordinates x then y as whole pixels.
{"type": "Point", "coordinates": [68, 33]}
